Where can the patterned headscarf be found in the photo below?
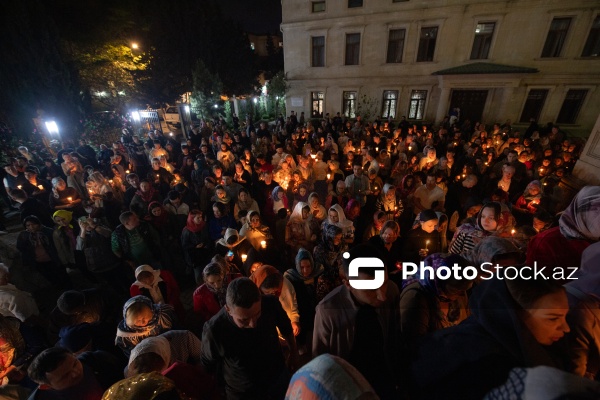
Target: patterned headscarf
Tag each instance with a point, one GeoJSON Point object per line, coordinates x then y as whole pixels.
{"type": "Point", "coordinates": [581, 219]}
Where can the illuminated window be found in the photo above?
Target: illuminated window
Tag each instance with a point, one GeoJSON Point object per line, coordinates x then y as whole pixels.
{"type": "Point", "coordinates": [390, 102]}
{"type": "Point", "coordinates": [416, 109]}
{"type": "Point", "coordinates": [349, 106]}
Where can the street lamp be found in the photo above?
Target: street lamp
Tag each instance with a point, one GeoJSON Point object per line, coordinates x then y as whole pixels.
{"type": "Point", "coordinates": [134, 46]}
{"type": "Point", "coordinates": [52, 127]}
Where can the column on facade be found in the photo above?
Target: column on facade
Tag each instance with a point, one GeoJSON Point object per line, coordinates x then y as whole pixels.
{"type": "Point", "coordinates": [442, 109]}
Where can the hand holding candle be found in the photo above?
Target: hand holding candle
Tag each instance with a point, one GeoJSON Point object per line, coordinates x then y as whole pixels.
{"type": "Point", "coordinates": [263, 244]}
{"type": "Point", "coordinates": [244, 257]}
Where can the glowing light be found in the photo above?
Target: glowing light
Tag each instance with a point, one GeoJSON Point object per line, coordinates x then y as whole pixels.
{"type": "Point", "coordinates": [52, 127]}
{"type": "Point", "coordinates": [244, 257]}
{"type": "Point", "coordinates": [263, 244]}
{"type": "Point", "coordinates": [134, 46]}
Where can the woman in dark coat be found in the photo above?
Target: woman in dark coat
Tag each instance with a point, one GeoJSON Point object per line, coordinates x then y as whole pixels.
{"type": "Point", "coordinates": [514, 323]}
{"type": "Point", "coordinates": [422, 240]}
{"type": "Point", "coordinates": [196, 243]}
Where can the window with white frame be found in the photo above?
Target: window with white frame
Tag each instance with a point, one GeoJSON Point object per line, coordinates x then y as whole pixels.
{"type": "Point", "coordinates": [390, 103]}
{"type": "Point", "coordinates": [416, 109]}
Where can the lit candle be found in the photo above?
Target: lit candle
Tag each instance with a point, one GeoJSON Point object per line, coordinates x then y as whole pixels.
{"type": "Point", "coordinates": [376, 148]}
{"type": "Point", "coordinates": [427, 244]}
{"type": "Point", "coordinates": [395, 208]}
{"type": "Point", "coordinates": [244, 257]}
{"type": "Point", "coordinates": [409, 148]}
{"type": "Point", "coordinates": [263, 244]}
{"type": "Point", "coordinates": [157, 176]}
{"type": "Point", "coordinates": [110, 181]}
{"type": "Point", "coordinates": [127, 171]}
{"type": "Point", "coordinates": [170, 133]}
{"type": "Point", "coordinates": [41, 187]}
{"type": "Point", "coordinates": [328, 176]}
{"type": "Point", "coordinates": [512, 232]}
{"type": "Point", "coordinates": [464, 175]}
{"type": "Point", "coordinates": [70, 199]}
{"type": "Point", "coordinates": [486, 163]}
{"type": "Point", "coordinates": [19, 187]}
{"type": "Point", "coordinates": [313, 156]}
{"type": "Point", "coordinates": [541, 169]}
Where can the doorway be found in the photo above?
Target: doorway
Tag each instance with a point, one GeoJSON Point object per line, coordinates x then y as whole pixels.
{"type": "Point", "coordinates": [470, 102]}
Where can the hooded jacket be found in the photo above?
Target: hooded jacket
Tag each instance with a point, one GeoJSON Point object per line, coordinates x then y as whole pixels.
{"type": "Point", "coordinates": [467, 361]}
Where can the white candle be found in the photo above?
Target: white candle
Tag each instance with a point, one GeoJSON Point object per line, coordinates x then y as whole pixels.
{"type": "Point", "coordinates": [263, 244]}
{"type": "Point", "coordinates": [244, 257]}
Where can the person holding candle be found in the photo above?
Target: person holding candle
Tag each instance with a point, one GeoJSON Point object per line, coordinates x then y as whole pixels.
{"type": "Point", "coordinates": [427, 195]}
{"type": "Point", "coordinates": [529, 203]}
{"type": "Point", "coordinates": [317, 210]}
{"type": "Point", "coordinates": [424, 239]}
{"type": "Point", "coordinates": [429, 304]}
{"type": "Point", "coordinates": [63, 197]}
{"type": "Point", "coordinates": [301, 229]}
{"type": "Point", "coordinates": [389, 203]}
{"type": "Point", "coordinates": [254, 231]}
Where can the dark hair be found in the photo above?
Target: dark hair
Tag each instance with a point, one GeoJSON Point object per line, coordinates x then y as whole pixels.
{"type": "Point", "coordinates": [242, 292]}
{"type": "Point", "coordinates": [221, 207]}
{"type": "Point", "coordinates": [174, 195]}
{"type": "Point", "coordinates": [32, 218]}
{"type": "Point", "coordinates": [242, 213]}
{"type": "Point", "coordinates": [18, 194]}
{"type": "Point", "coordinates": [273, 281]}
{"type": "Point", "coordinates": [526, 292]}
{"type": "Point", "coordinates": [47, 361]}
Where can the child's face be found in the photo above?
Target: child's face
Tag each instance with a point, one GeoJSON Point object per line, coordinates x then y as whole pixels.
{"type": "Point", "coordinates": [302, 191]}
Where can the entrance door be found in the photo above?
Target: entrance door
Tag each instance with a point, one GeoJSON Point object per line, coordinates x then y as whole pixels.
{"type": "Point", "coordinates": [470, 102]}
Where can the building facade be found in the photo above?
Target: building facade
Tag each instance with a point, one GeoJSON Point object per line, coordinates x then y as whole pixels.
{"type": "Point", "coordinates": [488, 60]}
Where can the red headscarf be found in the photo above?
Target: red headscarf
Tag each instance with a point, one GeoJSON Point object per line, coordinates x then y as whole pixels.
{"type": "Point", "coordinates": [160, 221]}
{"type": "Point", "coordinates": [191, 225]}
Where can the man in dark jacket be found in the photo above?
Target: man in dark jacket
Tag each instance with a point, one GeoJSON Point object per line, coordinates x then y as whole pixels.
{"type": "Point", "coordinates": [136, 242]}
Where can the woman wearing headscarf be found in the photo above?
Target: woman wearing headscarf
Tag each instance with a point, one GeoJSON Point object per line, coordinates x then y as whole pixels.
{"type": "Point", "coordinates": [301, 229]}
{"type": "Point", "coordinates": [328, 253]}
{"type": "Point", "coordinates": [316, 209]}
{"type": "Point", "coordinates": [488, 221]}
{"type": "Point", "coordinates": [389, 203]}
{"type": "Point", "coordinates": [509, 327]}
{"type": "Point", "coordinates": [338, 195]}
{"type": "Point", "coordinates": [429, 304]}
{"type": "Point", "coordinates": [209, 297]}
{"type": "Point", "coordinates": [63, 197]}
{"type": "Point", "coordinates": [528, 203]}
{"type": "Point", "coordinates": [254, 231]}
{"type": "Point", "coordinates": [272, 283]}
{"type": "Point", "coordinates": [65, 237]}
{"type": "Point", "coordinates": [244, 202]}
{"type": "Point", "coordinates": [336, 216]}
{"type": "Point", "coordinates": [274, 203]}
{"type": "Point", "coordinates": [145, 195]}
{"type": "Point", "coordinates": [304, 280]}
{"type": "Point", "coordinates": [159, 286]}
{"type": "Point", "coordinates": [141, 319]}
{"type": "Point", "coordinates": [196, 243]}
{"type": "Point", "coordinates": [561, 246]}
{"type": "Point", "coordinates": [329, 377]}
{"type": "Point", "coordinates": [168, 355]}
{"type": "Point", "coordinates": [583, 291]}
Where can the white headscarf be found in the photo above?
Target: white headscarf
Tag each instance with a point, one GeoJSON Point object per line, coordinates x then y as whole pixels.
{"type": "Point", "coordinates": [154, 344]}
{"type": "Point", "coordinates": [155, 293]}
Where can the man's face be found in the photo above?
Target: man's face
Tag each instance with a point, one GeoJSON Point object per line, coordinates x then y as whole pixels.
{"type": "Point", "coordinates": [430, 182]}
{"type": "Point", "coordinates": [132, 223]}
{"type": "Point", "coordinates": [245, 317]}
{"type": "Point", "coordinates": [68, 374]}
{"type": "Point", "coordinates": [511, 157]}
{"type": "Point", "coordinates": [372, 297]}
{"type": "Point", "coordinates": [357, 170]}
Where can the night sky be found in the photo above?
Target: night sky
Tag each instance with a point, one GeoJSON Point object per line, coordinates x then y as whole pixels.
{"type": "Point", "coordinates": [255, 16]}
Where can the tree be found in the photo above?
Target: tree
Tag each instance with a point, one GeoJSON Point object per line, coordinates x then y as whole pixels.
{"type": "Point", "coordinates": [206, 90]}
{"type": "Point", "coordinates": [33, 73]}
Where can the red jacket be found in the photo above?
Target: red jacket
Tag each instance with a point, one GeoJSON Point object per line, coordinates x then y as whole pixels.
{"type": "Point", "coordinates": [205, 303]}
{"type": "Point", "coordinates": [169, 289]}
{"type": "Point", "coordinates": [551, 249]}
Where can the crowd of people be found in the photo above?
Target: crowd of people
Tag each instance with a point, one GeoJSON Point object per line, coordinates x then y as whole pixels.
{"type": "Point", "coordinates": [262, 223]}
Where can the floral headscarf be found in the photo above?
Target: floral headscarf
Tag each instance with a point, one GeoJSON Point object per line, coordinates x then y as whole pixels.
{"type": "Point", "coordinates": [154, 290]}
{"type": "Point", "coordinates": [162, 320]}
